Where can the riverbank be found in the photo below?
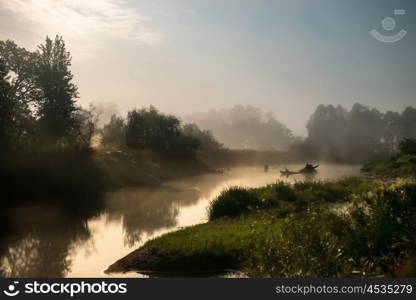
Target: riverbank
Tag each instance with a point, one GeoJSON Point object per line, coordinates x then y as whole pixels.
{"type": "Point", "coordinates": [399, 164]}
{"type": "Point", "coordinates": [77, 179]}
{"type": "Point", "coordinates": [284, 230]}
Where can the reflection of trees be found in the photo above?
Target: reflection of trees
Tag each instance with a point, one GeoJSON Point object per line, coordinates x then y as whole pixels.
{"type": "Point", "coordinates": [144, 211]}
{"type": "Point", "coordinates": [43, 252]}
{"type": "Point", "coordinates": [36, 241]}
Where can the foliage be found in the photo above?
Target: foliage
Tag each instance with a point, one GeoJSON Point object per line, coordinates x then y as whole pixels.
{"type": "Point", "coordinates": [17, 93]}
{"type": "Point", "coordinates": [206, 139]}
{"type": "Point", "coordinates": [38, 107]}
{"type": "Point", "coordinates": [86, 125]}
{"type": "Point", "coordinates": [359, 134]}
{"type": "Point", "coordinates": [147, 128]}
{"type": "Point", "coordinates": [375, 236]}
{"type": "Point", "coordinates": [57, 93]}
{"type": "Point", "coordinates": [233, 202]}
{"type": "Point", "coordinates": [113, 134]}
{"type": "Point", "coordinates": [407, 146]}
{"type": "Point", "coordinates": [401, 164]}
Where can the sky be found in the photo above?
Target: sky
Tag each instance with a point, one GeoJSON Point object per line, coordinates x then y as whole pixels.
{"type": "Point", "coordinates": [188, 56]}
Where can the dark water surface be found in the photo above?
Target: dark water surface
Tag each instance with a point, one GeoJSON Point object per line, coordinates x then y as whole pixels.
{"type": "Point", "coordinates": [42, 240]}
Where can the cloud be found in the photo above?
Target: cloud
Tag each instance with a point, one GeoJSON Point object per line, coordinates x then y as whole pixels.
{"type": "Point", "coordinates": [83, 22]}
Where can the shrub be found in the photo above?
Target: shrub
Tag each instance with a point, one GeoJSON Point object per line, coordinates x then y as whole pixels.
{"type": "Point", "coordinates": [233, 202]}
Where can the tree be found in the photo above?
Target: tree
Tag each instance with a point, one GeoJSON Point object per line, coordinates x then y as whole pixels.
{"type": "Point", "coordinates": [391, 133]}
{"type": "Point", "coordinates": [6, 107]}
{"type": "Point", "coordinates": [327, 130]}
{"type": "Point", "coordinates": [347, 136]}
{"type": "Point", "coordinates": [57, 98]}
{"type": "Point", "coordinates": [147, 128]}
{"type": "Point", "coordinates": [17, 93]}
{"type": "Point", "coordinates": [86, 125]}
{"type": "Point", "coordinates": [205, 139]}
{"type": "Point", "coordinates": [365, 132]}
{"type": "Point", "coordinates": [408, 146]}
{"type": "Point", "coordinates": [113, 134]}
{"type": "Point", "coordinates": [20, 66]}
{"type": "Point", "coordinates": [408, 123]}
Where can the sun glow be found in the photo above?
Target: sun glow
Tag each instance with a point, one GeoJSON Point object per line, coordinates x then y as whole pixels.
{"type": "Point", "coordinates": [82, 21]}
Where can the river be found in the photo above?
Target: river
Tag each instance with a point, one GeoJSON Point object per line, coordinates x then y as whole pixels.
{"type": "Point", "coordinates": [43, 241]}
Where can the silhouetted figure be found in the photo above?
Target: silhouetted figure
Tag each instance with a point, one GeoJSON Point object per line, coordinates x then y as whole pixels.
{"type": "Point", "coordinates": [266, 168]}
{"type": "Point", "coordinates": [309, 168]}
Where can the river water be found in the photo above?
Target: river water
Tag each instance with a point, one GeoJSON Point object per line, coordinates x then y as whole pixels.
{"type": "Point", "coordinates": [43, 241]}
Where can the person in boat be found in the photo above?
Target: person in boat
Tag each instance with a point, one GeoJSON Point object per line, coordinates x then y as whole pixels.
{"type": "Point", "coordinates": [309, 168]}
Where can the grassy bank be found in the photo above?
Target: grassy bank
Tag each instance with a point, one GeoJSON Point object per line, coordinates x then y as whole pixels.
{"type": "Point", "coordinates": [400, 164]}
{"type": "Point", "coordinates": [395, 166]}
{"type": "Point", "coordinates": [294, 230]}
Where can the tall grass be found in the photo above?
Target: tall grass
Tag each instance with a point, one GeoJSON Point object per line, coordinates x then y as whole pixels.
{"type": "Point", "coordinates": [286, 198]}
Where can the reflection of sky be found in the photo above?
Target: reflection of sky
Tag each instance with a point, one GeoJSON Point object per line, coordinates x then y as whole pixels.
{"type": "Point", "coordinates": [190, 55]}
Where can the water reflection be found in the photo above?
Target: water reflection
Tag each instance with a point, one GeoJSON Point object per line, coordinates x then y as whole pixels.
{"type": "Point", "coordinates": [82, 237]}
{"type": "Point", "coordinates": [40, 241]}
{"type": "Point", "coordinates": [144, 211]}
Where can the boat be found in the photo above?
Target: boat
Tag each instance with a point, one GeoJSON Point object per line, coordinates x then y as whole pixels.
{"type": "Point", "coordinates": [287, 172]}
{"type": "Point", "coordinates": [308, 169]}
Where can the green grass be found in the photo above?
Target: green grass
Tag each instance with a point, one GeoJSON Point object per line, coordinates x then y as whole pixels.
{"type": "Point", "coordinates": [220, 244]}
{"type": "Point", "coordinates": [376, 236]}
{"type": "Point", "coordinates": [286, 198]}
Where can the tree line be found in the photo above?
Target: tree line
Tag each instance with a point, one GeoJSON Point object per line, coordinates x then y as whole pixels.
{"type": "Point", "coordinates": [39, 110]}
{"type": "Point", "coordinates": [359, 134]}
{"type": "Point", "coordinates": [147, 128]}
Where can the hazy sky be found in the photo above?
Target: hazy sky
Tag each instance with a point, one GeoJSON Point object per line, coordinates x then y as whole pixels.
{"type": "Point", "coordinates": [186, 56]}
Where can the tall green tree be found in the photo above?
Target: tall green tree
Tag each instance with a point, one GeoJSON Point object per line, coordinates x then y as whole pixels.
{"type": "Point", "coordinates": [57, 93]}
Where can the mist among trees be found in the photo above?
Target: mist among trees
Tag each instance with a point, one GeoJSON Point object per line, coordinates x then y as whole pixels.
{"type": "Point", "coordinates": [39, 113]}
{"type": "Point", "coordinates": [357, 135]}
{"type": "Point", "coordinates": [245, 127]}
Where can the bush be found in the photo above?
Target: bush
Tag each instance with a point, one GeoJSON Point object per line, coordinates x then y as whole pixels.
{"type": "Point", "coordinates": [233, 202]}
{"type": "Point", "coordinates": [407, 147]}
